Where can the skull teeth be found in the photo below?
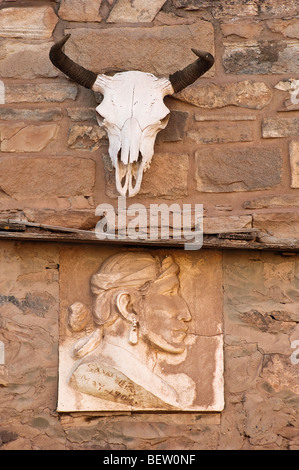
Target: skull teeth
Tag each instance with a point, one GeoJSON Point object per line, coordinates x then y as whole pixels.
{"type": "Point", "coordinates": [129, 177]}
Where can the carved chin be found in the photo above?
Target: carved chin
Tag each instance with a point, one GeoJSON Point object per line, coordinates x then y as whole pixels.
{"type": "Point", "coordinates": [129, 177]}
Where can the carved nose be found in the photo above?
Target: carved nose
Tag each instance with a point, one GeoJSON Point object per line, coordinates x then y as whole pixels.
{"type": "Point", "coordinates": [130, 141]}
{"type": "Point", "coordinates": [184, 312]}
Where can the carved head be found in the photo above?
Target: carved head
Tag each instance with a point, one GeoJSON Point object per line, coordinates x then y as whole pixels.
{"type": "Point", "coordinates": [132, 111]}
{"type": "Point", "coordinates": [141, 289]}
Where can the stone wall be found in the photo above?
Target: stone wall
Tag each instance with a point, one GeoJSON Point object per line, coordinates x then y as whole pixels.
{"type": "Point", "coordinates": [231, 144]}
{"type": "Point", "coordinates": [233, 134]}
{"type": "Point", "coordinates": [260, 311]}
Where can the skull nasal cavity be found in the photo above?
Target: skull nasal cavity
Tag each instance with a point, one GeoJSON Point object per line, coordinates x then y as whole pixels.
{"type": "Point", "coordinates": [130, 141]}
{"type": "Point", "coordinates": [133, 168]}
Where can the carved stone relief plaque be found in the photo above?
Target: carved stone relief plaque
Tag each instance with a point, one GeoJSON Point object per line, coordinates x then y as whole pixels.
{"type": "Point", "coordinates": [140, 330]}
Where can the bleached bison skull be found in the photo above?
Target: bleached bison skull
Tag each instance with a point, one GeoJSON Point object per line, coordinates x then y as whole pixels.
{"type": "Point", "coordinates": [132, 111]}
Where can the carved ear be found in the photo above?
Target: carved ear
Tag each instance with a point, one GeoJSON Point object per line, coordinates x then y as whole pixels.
{"type": "Point", "coordinates": [122, 303]}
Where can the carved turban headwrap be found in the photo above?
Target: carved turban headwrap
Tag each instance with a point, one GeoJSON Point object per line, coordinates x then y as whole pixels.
{"type": "Point", "coordinates": [127, 271]}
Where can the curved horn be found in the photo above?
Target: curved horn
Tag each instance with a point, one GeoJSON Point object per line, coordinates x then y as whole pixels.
{"type": "Point", "coordinates": [182, 78]}
{"type": "Point", "coordinates": [75, 72]}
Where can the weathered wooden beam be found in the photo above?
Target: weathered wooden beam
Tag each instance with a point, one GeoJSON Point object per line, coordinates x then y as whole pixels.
{"type": "Point", "coordinates": [56, 228]}
{"type": "Point", "coordinates": [245, 238]}
{"type": "Point", "coordinates": [209, 240]}
{"type": "Point", "coordinates": [11, 226]}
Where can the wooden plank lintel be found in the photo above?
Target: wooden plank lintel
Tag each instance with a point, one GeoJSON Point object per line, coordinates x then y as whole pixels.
{"type": "Point", "coordinates": [11, 227]}
{"type": "Point", "coordinates": [209, 241]}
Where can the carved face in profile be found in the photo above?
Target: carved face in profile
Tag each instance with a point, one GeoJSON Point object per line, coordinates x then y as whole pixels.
{"type": "Point", "coordinates": [164, 316]}
{"type": "Point", "coordinates": [142, 292]}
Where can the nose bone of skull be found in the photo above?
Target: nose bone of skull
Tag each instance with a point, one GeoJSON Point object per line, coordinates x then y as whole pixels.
{"type": "Point", "coordinates": [128, 165]}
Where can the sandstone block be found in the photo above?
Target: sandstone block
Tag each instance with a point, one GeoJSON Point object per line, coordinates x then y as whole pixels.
{"type": "Point", "coordinates": [269, 202]}
{"type": "Point", "coordinates": [80, 219]}
{"type": "Point", "coordinates": [27, 22]}
{"type": "Point", "coordinates": [276, 321]}
{"type": "Point", "coordinates": [40, 92]}
{"type": "Point", "coordinates": [19, 59]}
{"type": "Point", "coordinates": [244, 30]}
{"type": "Point", "coordinates": [164, 18]}
{"type": "Point", "coordinates": [221, 133]}
{"type": "Point", "coordinates": [37, 177]}
{"type": "Point", "coordinates": [278, 371]}
{"type": "Point", "coordinates": [246, 94]}
{"type": "Point", "coordinates": [29, 292]}
{"type": "Point", "coordinates": [238, 169]}
{"type": "Point", "coordinates": [276, 8]}
{"type": "Point", "coordinates": [86, 137]}
{"type": "Point", "coordinates": [294, 160]}
{"type": "Point", "coordinates": [227, 7]}
{"type": "Point", "coordinates": [82, 114]}
{"type": "Point", "coordinates": [81, 202]}
{"type": "Point", "coordinates": [167, 177]}
{"type": "Point", "coordinates": [284, 224]}
{"type": "Point", "coordinates": [260, 289]}
{"type": "Point", "coordinates": [80, 10]}
{"type": "Point", "coordinates": [28, 114]}
{"type": "Point", "coordinates": [261, 57]}
{"type": "Point", "coordinates": [221, 223]}
{"type": "Point", "coordinates": [223, 207]}
{"type": "Point", "coordinates": [160, 50]}
{"type": "Point", "coordinates": [240, 7]}
{"type": "Point", "coordinates": [224, 117]}
{"type": "Point", "coordinates": [289, 28]}
{"type": "Point", "coordinates": [292, 86]}
{"type": "Point", "coordinates": [26, 138]}
{"type": "Point", "coordinates": [241, 359]}
{"type": "Point", "coordinates": [138, 11]}
{"type": "Point", "coordinates": [282, 127]}
{"type": "Point", "coordinates": [175, 129]}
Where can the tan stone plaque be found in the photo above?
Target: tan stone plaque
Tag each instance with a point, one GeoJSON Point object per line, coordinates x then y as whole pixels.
{"type": "Point", "coordinates": [140, 330]}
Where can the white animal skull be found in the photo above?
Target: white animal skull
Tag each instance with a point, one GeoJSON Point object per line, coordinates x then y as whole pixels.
{"type": "Point", "coordinates": [132, 111]}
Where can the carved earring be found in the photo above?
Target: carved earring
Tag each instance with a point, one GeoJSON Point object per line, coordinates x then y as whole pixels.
{"type": "Point", "coordinates": [133, 335]}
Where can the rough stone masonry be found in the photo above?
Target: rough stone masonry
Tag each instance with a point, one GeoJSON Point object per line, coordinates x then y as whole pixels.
{"type": "Point", "coordinates": [231, 144]}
